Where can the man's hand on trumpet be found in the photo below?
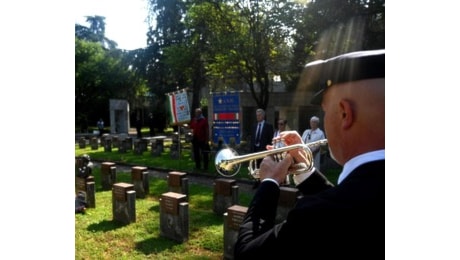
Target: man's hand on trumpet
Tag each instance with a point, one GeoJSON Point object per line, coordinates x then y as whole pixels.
{"type": "Point", "coordinates": [277, 171]}
{"type": "Point", "coordinates": [295, 160]}
{"type": "Point", "coordinates": [300, 156]}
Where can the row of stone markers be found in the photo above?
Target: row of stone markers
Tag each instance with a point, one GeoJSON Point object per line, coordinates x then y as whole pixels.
{"type": "Point", "coordinates": [125, 143]}
{"type": "Point", "coordinates": [174, 204]}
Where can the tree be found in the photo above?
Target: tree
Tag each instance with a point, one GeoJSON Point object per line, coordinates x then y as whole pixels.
{"type": "Point", "coordinates": [95, 32]}
{"type": "Point", "coordinates": [243, 44]}
{"type": "Point", "coordinates": [326, 28]}
{"type": "Point", "coordinates": [102, 74]}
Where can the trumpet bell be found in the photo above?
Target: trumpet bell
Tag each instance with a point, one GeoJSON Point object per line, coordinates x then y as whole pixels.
{"type": "Point", "coordinates": [223, 163]}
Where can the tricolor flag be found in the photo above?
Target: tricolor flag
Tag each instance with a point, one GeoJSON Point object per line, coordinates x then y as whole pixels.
{"type": "Point", "coordinates": [178, 107]}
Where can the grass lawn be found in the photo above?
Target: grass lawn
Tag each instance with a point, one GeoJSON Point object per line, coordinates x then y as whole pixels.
{"type": "Point", "coordinates": [97, 236]}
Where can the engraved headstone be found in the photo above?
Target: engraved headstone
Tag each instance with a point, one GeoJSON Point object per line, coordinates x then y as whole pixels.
{"type": "Point", "coordinates": [81, 142]}
{"type": "Point", "coordinates": [87, 186]}
{"type": "Point", "coordinates": [175, 146]}
{"type": "Point", "coordinates": [108, 144]}
{"type": "Point", "coordinates": [108, 175]}
{"type": "Point", "coordinates": [232, 221]}
{"type": "Point", "coordinates": [177, 182]}
{"type": "Point", "coordinates": [124, 202]}
{"type": "Point", "coordinates": [225, 195]}
{"type": "Point", "coordinates": [157, 145]}
{"type": "Point", "coordinates": [94, 143]}
{"type": "Point", "coordinates": [139, 177]}
{"type": "Point", "coordinates": [174, 216]}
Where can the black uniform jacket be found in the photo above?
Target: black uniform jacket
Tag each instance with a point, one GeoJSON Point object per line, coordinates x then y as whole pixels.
{"type": "Point", "coordinates": [346, 221]}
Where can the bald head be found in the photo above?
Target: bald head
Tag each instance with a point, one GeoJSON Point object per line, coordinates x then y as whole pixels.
{"type": "Point", "coordinates": [354, 117]}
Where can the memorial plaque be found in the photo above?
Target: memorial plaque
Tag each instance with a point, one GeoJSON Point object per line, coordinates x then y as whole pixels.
{"type": "Point", "coordinates": [288, 195]}
{"type": "Point", "coordinates": [224, 186]}
{"type": "Point", "coordinates": [174, 178]}
{"type": "Point", "coordinates": [170, 202]}
{"type": "Point", "coordinates": [79, 162]}
{"type": "Point", "coordinates": [136, 172]}
{"type": "Point", "coordinates": [105, 167]}
{"type": "Point", "coordinates": [80, 183]}
{"type": "Point", "coordinates": [119, 190]}
{"type": "Point", "coordinates": [236, 215]}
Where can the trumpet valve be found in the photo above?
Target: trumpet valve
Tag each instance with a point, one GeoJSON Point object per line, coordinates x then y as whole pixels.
{"type": "Point", "coordinates": [278, 143]}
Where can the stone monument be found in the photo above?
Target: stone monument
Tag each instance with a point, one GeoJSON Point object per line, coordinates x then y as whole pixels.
{"type": "Point", "coordinates": [119, 116]}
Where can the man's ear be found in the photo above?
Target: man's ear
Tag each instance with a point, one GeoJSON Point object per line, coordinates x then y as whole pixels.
{"type": "Point", "coordinates": [346, 110]}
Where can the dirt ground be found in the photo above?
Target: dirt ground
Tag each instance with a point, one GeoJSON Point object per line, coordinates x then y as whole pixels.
{"type": "Point", "coordinates": [244, 185]}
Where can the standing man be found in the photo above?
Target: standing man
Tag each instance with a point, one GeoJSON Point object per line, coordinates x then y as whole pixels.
{"type": "Point", "coordinates": [200, 139]}
{"type": "Point", "coordinates": [100, 126]}
{"type": "Point", "coordinates": [311, 135]}
{"type": "Point", "coordinates": [262, 135]}
{"type": "Point", "coordinates": [262, 132]}
{"type": "Point", "coordinates": [342, 221]}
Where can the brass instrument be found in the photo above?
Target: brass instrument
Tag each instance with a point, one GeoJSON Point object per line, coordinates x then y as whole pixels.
{"type": "Point", "coordinates": [228, 162]}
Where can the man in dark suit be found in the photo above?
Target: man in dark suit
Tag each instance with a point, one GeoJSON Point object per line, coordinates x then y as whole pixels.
{"type": "Point", "coordinates": [262, 132]}
{"type": "Point", "coordinates": [262, 135]}
{"type": "Point", "coordinates": [345, 221]}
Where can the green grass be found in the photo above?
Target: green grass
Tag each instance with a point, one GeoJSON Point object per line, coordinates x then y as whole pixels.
{"type": "Point", "coordinates": [97, 236]}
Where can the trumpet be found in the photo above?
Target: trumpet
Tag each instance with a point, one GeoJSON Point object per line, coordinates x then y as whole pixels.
{"type": "Point", "coordinates": [228, 162]}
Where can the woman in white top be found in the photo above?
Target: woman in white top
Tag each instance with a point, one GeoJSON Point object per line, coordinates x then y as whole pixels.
{"type": "Point", "coordinates": [311, 135]}
{"type": "Point", "coordinates": [282, 126]}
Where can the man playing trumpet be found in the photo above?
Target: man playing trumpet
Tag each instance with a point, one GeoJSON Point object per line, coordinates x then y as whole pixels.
{"type": "Point", "coordinates": [345, 221]}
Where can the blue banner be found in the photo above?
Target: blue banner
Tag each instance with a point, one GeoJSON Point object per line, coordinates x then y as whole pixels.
{"type": "Point", "coordinates": [226, 118]}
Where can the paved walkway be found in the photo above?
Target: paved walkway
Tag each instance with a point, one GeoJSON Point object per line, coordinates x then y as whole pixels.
{"type": "Point", "coordinates": [244, 185]}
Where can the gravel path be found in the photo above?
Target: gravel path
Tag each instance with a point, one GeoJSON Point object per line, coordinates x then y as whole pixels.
{"type": "Point", "coordinates": [196, 178]}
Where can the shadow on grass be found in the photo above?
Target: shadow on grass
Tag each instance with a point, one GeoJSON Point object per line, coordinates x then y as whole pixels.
{"type": "Point", "coordinates": [155, 208]}
{"type": "Point", "coordinates": [155, 245]}
{"type": "Point", "coordinates": [105, 225]}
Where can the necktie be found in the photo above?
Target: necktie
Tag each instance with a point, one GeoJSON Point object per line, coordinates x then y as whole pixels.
{"type": "Point", "coordinates": [259, 129]}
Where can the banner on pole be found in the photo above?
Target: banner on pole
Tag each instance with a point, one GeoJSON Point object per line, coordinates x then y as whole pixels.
{"type": "Point", "coordinates": [226, 117]}
{"type": "Point", "coordinates": [178, 107]}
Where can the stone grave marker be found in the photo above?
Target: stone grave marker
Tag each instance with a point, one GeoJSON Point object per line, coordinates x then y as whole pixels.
{"type": "Point", "coordinates": [88, 187]}
{"type": "Point", "coordinates": [81, 142]}
{"type": "Point", "coordinates": [225, 195]}
{"type": "Point", "coordinates": [175, 146]}
{"type": "Point", "coordinates": [108, 175]}
{"type": "Point", "coordinates": [177, 182]}
{"type": "Point", "coordinates": [174, 216]}
{"type": "Point", "coordinates": [94, 143]}
{"type": "Point", "coordinates": [157, 145]}
{"type": "Point", "coordinates": [107, 143]}
{"type": "Point", "coordinates": [140, 179]}
{"type": "Point", "coordinates": [124, 203]}
{"type": "Point", "coordinates": [232, 221]}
